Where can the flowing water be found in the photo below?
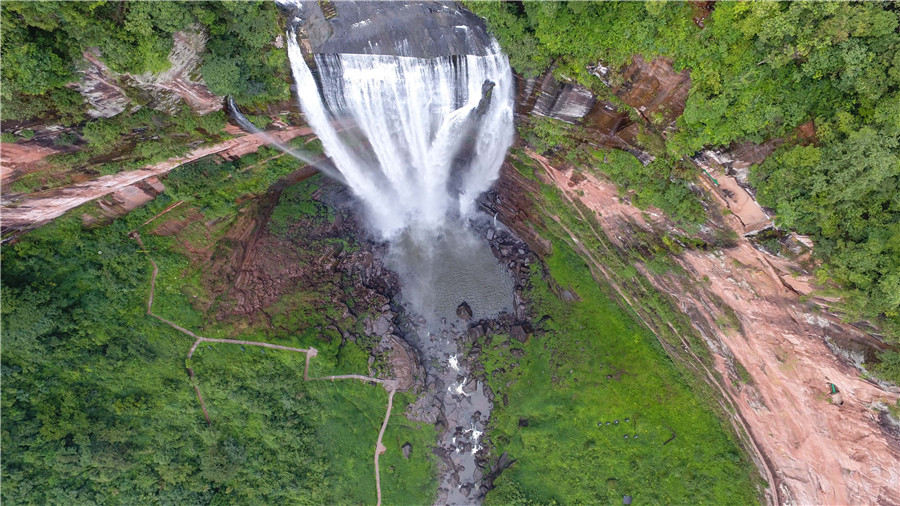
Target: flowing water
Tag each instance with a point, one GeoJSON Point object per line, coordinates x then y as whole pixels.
{"type": "Point", "coordinates": [418, 149]}
{"type": "Point", "coordinates": [417, 140]}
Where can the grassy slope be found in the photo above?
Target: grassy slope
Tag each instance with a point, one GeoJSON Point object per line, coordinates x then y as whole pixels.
{"type": "Point", "coordinates": [97, 405]}
{"type": "Point", "coordinates": [348, 415]}
{"type": "Point", "coordinates": [597, 363]}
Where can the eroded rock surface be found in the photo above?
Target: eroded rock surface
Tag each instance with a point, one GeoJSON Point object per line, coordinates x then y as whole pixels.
{"type": "Point", "coordinates": [181, 82]}
{"type": "Point", "coordinates": [40, 208]}
{"type": "Point", "coordinates": [416, 29]}
{"type": "Point", "coordinates": [100, 87]}
{"type": "Point", "coordinates": [653, 88]}
{"type": "Point", "coordinates": [818, 452]}
{"type": "Point", "coordinates": [105, 90]}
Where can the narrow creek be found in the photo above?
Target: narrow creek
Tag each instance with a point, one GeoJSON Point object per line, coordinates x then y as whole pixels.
{"type": "Point", "coordinates": [450, 283]}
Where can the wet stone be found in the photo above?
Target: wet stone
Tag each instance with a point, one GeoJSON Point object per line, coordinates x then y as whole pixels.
{"type": "Point", "coordinates": [464, 311]}
{"type": "Point", "coordinates": [381, 326]}
{"type": "Point", "coordinates": [518, 333]}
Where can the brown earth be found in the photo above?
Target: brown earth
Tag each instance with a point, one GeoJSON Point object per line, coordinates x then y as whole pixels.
{"type": "Point", "coordinates": [37, 209]}
{"type": "Point", "coordinates": [818, 452]}
{"type": "Point", "coordinates": [16, 155]}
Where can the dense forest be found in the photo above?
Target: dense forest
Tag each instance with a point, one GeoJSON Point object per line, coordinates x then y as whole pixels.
{"type": "Point", "coordinates": [98, 407]}
{"type": "Point", "coordinates": [758, 71]}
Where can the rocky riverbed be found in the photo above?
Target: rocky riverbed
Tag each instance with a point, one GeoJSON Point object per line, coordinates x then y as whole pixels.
{"type": "Point", "coordinates": [434, 356]}
{"type": "Point", "coordinates": [456, 397]}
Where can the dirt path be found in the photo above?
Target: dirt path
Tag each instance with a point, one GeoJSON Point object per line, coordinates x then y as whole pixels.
{"type": "Point", "coordinates": [812, 451]}
{"type": "Point", "coordinates": [389, 384]}
{"type": "Point", "coordinates": [40, 208]}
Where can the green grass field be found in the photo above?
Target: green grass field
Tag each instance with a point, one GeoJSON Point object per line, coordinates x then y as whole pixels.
{"type": "Point", "coordinates": [595, 365]}
{"type": "Point", "coordinates": [263, 411]}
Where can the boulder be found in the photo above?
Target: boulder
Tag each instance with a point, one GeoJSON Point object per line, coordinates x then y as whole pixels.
{"type": "Point", "coordinates": [464, 311]}
{"type": "Point", "coordinates": [382, 326]}
{"type": "Point", "coordinates": [402, 361]}
{"type": "Point", "coordinates": [406, 449]}
{"type": "Point", "coordinates": [518, 333]}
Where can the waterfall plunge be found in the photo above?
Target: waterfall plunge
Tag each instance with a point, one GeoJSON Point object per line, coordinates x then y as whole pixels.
{"type": "Point", "coordinates": [416, 148]}
{"type": "Point", "coordinates": [417, 141]}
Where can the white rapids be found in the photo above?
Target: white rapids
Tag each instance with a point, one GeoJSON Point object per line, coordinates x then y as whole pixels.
{"type": "Point", "coordinates": [403, 123]}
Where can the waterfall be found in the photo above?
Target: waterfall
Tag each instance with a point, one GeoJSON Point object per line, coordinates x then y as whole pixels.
{"type": "Point", "coordinates": [416, 140]}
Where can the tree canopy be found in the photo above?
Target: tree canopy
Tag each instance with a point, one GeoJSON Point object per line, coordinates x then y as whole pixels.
{"type": "Point", "coordinates": [758, 71]}
{"type": "Point", "coordinates": [42, 45]}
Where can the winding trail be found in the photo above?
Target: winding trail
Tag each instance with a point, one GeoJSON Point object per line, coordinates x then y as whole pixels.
{"type": "Point", "coordinates": [389, 384]}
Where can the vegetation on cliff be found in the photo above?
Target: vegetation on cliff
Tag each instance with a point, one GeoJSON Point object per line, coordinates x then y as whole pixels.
{"type": "Point", "coordinates": [614, 348]}
{"type": "Point", "coordinates": [759, 71]}
{"type": "Point", "coordinates": [43, 42]}
{"type": "Point", "coordinates": [593, 409]}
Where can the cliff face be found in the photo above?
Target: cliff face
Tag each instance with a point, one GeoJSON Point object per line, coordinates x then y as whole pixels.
{"type": "Point", "coordinates": [126, 187]}
{"type": "Point", "coordinates": [773, 341]}
{"type": "Point", "coordinates": [416, 29]}
{"type": "Point", "coordinates": [106, 91]}
{"type": "Point", "coordinates": [100, 87]}
{"type": "Point", "coordinates": [182, 81]}
{"type": "Point", "coordinates": [757, 312]}
{"type": "Point", "coordinates": [656, 93]}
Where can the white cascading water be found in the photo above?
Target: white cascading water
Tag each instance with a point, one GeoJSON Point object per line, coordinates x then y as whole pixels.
{"type": "Point", "coordinates": [408, 120]}
{"type": "Point", "coordinates": [417, 141]}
